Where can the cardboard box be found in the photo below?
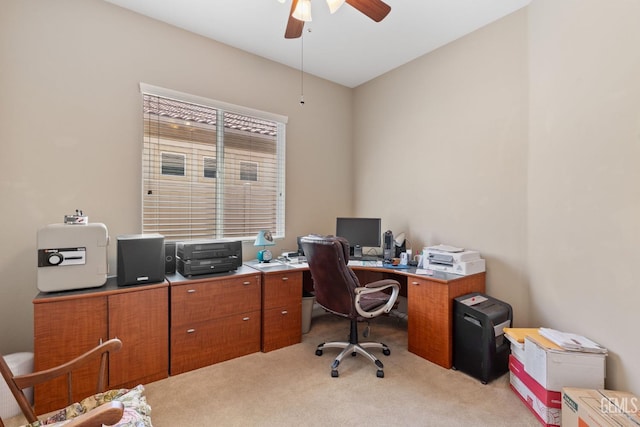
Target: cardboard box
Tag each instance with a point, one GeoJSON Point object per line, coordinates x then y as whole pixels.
{"type": "Point", "coordinates": [544, 404]}
{"type": "Point", "coordinates": [462, 268]}
{"type": "Point", "coordinates": [555, 369]}
{"type": "Point", "coordinates": [589, 408]}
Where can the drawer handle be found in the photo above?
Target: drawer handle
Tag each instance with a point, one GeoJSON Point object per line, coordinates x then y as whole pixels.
{"type": "Point", "coordinates": [244, 319]}
{"type": "Point", "coordinates": [415, 283]}
{"type": "Point", "coordinates": [246, 283]}
{"type": "Point", "coordinates": [285, 312]}
{"type": "Point", "coordinates": [190, 331]}
{"type": "Point", "coordinates": [191, 291]}
{"type": "Point", "coordinates": [284, 279]}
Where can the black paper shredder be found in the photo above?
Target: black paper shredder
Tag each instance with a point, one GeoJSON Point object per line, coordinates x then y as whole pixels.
{"type": "Point", "coordinates": [479, 346]}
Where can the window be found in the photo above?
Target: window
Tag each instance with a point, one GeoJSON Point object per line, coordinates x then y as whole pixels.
{"type": "Point", "coordinates": [173, 164]}
{"type": "Point", "coordinates": [248, 171]}
{"type": "Point", "coordinates": [209, 169]}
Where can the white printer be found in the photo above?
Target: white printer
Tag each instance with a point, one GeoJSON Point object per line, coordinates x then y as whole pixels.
{"type": "Point", "coordinates": [72, 256]}
{"type": "Point", "coordinates": [452, 260]}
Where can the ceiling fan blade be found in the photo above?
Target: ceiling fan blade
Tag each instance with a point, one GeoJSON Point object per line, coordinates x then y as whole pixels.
{"type": "Point", "coordinates": [374, 9]}
{"type": "Point", "coordinates": [294, 26]}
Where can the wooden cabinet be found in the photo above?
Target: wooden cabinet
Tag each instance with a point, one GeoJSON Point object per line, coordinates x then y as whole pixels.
{"type": "Point", "coordinates": [66, 324]}
{"type": "Point", "coordinates": [430, 320]}
{"type": "Point", "coordinates": [141, 321]}
{"type": "Point", "coordinates": [214, 319]}
{"type": "Point", "coordinates": [281, 309]}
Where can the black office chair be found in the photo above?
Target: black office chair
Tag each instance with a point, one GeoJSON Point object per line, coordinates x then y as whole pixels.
{"type": "Point", "coordinates": [338, 290]}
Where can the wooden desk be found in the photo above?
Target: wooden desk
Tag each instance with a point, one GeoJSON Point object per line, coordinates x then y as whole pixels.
{"type": "Point", "coordinates": [429, 303]}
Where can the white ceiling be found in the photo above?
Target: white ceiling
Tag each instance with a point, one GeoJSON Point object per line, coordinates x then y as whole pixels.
{"type": "Point", "coordinates": [347, 47]}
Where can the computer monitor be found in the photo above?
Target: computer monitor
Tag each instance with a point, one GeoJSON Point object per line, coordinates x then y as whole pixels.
{"type": "Point", "coordinates": [360, 232]}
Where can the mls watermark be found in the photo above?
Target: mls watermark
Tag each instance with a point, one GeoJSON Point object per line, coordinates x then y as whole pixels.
{"type": "Point", "coordinates": [622, 405]}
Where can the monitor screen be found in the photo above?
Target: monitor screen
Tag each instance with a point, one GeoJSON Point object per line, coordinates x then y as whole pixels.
{"type": "Point", "coordinates": [360, 231]}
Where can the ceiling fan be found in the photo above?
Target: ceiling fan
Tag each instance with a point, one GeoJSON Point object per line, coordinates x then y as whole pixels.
{"type": "Point", "coordinates": [301, 12]}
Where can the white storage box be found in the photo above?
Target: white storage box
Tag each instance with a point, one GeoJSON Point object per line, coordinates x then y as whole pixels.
{"type": "Point", "coordinates": [20, 364]}
{"type": "Point", "coordinates": [517, 349]}
{"type": "Point", "coordinates": [545, 405]}
{"type": "Point", "coordinates": [554, 369]}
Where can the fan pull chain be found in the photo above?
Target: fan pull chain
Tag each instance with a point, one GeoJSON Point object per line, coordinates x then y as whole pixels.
{"type": "Point", "coordinates": [302, 70]}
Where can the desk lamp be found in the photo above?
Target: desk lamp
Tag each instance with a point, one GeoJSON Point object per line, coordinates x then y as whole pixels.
{"type": "Point", "coordinates": [265, 238]}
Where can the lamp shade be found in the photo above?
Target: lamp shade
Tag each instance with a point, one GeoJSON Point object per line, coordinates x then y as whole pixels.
{"type": "Point", "coordinates": [264, 238]}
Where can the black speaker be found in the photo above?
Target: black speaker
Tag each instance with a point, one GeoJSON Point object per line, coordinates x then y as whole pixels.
{"type": "Point", "coordinates": [388, 246]}
{"type": "Point", "coordinates": [140, 259]}
{"type": "Point", "coordinates": [169, 257]}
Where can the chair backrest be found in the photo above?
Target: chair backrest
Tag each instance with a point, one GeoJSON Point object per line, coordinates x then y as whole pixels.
{"type": "Point", "coordinates": [17, 383]}
{"type": "Point", "coordinates": [334, 282]}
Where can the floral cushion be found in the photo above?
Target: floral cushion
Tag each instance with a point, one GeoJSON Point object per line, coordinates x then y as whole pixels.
{"type": "Point", "coordinates": [137, 413]}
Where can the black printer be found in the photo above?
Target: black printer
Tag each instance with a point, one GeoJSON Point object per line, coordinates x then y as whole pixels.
{"type": "Point", "coordinates": [208, 256]}
{"type": "Point", "coordinates": [479, 346]}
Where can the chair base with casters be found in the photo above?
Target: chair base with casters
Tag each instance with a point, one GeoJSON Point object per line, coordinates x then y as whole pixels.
{"type": "Point", "coordinates": [354, 347]}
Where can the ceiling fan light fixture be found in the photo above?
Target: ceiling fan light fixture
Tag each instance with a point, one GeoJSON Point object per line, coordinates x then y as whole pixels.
{"type": "Point", "coordinates": [303, 11]}
{"type": "Point", "coordinates": [334, 5]}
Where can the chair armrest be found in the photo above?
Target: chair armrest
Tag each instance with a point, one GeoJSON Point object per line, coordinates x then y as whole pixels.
{"type": "Point", "coordinates": [384, 283]}
{"type": "Point", "coordinates": [374, 287]}
{"type": "Point", "coordinates": [109, 413]}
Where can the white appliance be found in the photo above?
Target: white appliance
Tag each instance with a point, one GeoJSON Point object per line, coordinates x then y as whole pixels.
{"type": "Point", "coordinates": [72, 256]}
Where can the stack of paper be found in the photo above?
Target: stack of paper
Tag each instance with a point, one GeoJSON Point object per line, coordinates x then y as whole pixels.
{"type": "Point", "coordinates": [572, 342]}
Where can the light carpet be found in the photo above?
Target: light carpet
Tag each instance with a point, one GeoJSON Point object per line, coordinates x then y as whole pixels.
{"type": "Point", "coordinates": [292, 386]}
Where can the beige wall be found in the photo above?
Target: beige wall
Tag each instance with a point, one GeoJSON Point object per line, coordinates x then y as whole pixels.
{"type": "Point", "coordinates": [584, 194]}
{"type": "Point", "coordinates": [71, 129]}
{"type": "Point", "coordinates": [441, 152]}
{"type": "Point", "coordinates": [522, 140]}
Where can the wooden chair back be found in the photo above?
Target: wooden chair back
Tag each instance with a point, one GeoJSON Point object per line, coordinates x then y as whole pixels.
{"type": "Point", "coordinates": [18, 383]}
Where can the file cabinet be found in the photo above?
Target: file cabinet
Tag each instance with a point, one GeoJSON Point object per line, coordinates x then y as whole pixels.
{"type": "Point", "coordinates": [282, 309]}
{"type": "Point", "coordinates": [214, 318]}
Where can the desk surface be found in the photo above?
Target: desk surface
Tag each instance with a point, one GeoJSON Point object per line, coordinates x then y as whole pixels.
{"type": "Point", "coordinates": [278, 266]}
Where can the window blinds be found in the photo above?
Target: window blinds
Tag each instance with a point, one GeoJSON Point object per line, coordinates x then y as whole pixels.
{"type": "Point", "coordinates": [210, 173]}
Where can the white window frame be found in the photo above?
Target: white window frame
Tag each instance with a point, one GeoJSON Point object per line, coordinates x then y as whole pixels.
{"type": "Point", "coordinates": [279, 231]}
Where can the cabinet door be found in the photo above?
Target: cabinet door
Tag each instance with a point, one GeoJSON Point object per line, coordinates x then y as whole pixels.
{"type": "Point", "coordinates": [282, 310]}
{"type": "Point", "coordinates": [64, 330]}
{"type": "Point", "coordinates": [140, 319]}
{"type": "Point", "coordinates": [429, 324]}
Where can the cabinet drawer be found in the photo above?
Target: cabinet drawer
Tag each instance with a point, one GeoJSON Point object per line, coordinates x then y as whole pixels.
{"type": "Point", "coordinates": [282, 327]}
{"type": "Point", "coordinates": [282, 289]}
{"type": "Point", "coordinates": [206, 343]}
{"type": "Point", "coordinates": [202, 301]}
